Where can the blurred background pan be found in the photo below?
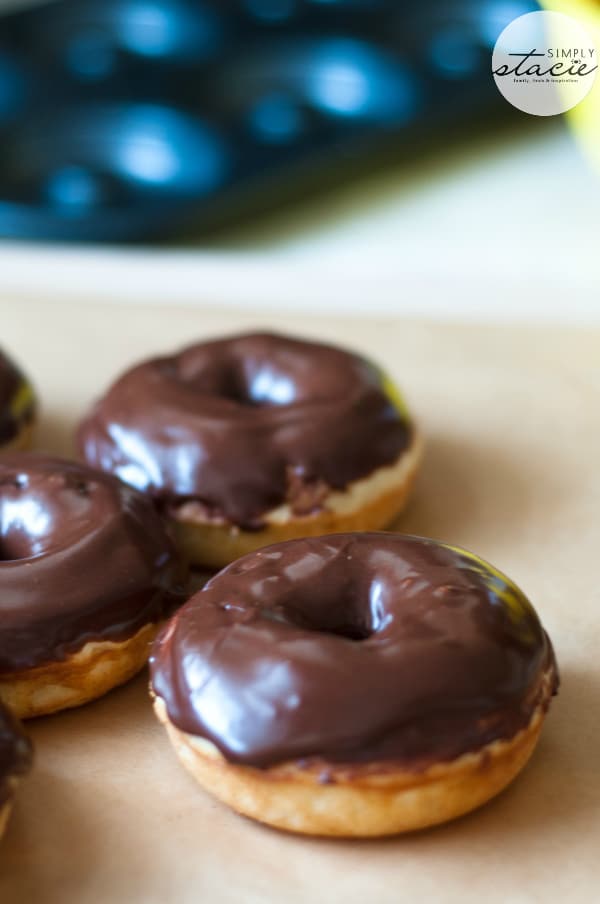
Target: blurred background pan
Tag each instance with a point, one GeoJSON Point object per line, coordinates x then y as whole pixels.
{"type": "Point", "coordinates": [129, 120]}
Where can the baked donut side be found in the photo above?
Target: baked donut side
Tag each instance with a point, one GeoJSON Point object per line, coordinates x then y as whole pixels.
{"type": "Point", "coordinates": [88, 574]}
{"type": "Point", "coordinates": [17, 407]}
{"type": "Point", "coordinates": [256, 439]}
{"type": "Point", "coordinates": [330, 800]}
{"type": "Point", "coordinates": [354, 685]}
{"type": "Point", "coordinates": [369, 504]}
{"type": "Point", "coordinates": [80, 678]}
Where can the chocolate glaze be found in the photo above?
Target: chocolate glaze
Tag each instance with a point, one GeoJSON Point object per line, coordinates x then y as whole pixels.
{"type": "Point", "coordinates": [82, 557]}
{"type": "Point", "coordinates": [235, 423]}
{"type": "Point", "coordinates": [353, 648]}
{"type": "Point", "coordinates": [11, 382]}
{"type": "Point", "coordinates": [16, 752]}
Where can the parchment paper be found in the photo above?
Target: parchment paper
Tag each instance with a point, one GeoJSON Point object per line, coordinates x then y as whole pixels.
{"type": "Point", "coordinates": [512, 471]}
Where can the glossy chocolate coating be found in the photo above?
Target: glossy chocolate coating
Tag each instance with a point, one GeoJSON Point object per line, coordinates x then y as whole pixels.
{"type": "Point", "coordinates": [16, 751]}
{"type": "Point", "coordinates": [233, 423]}
{"type": "Point", "coordinates": [353, 648]}
{"type": "Point", "coordinates": [82, 557]}
{"type": "Point", "coordinates": [12, 414]}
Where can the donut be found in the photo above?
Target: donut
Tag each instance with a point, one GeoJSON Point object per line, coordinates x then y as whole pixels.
{"type": "Point", "coordinates": [17, 407]}
{"type": "Point", "coordinates": [256, 439]}
{"type": "Point", "coordinates": [87, 573]}
{"type": "Point", "coordinates": [354, 685]}
{"type": "Point", "coordinates": [16, 754]}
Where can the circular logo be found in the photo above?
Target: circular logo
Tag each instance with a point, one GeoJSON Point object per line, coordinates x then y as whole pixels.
{"type": "Point", "coordinates": [544, 63]}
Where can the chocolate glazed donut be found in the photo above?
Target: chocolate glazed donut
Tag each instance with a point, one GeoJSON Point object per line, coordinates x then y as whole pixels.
{"type": "Point", "coordinates": [17, 406]}
{"type": "Point", "coordinates": [257, 438]}
{"type": "Point", "coordinates": [87, 572]}
{"type": "Point", "coordinates": [16, 754]}
{"type": "Point", "coordinates": [357, 684]}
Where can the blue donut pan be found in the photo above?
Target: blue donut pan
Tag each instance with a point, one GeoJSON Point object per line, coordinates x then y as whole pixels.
{"type": "Point", "coordinates": [129, 120]}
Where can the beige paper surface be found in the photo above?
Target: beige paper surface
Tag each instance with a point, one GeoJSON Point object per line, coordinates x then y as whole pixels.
{"type": "Point", "coordinates": [512, 471]}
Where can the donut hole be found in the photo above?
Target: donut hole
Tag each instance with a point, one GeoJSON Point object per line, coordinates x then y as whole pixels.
{"type": "Point", "coordinates": [250, 383]}
{"type": "Point", "coordinates": [350, 632]}
{"type": "Point", "coordinates": [234, 388]}
{"type": "Point", "coordinates": [340, 619]}
{"type": "Point", "coordinates": [344, 627]}
{"type": "Point", "coordinates": [257, 386]}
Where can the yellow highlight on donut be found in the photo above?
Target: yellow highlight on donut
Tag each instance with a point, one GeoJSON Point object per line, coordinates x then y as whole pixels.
{"type": "Point", "coordinates": [392, 392]}
{"type": "Point", "coordinates": [518, 607]}
{"type": "Point", "coordinates": [22, 400]}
